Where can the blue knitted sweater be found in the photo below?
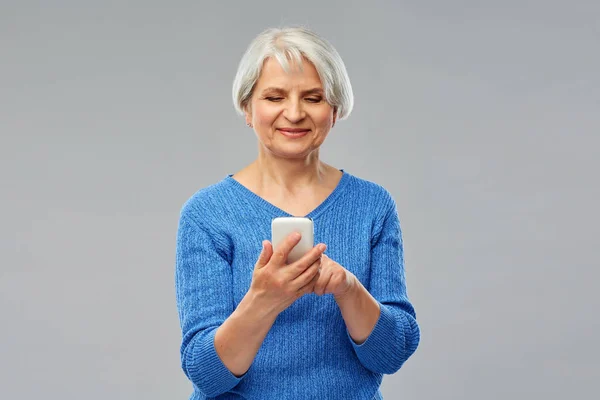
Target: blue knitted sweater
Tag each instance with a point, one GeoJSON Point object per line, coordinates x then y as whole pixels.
{"type": "Point", "coordinates": [308, 353]}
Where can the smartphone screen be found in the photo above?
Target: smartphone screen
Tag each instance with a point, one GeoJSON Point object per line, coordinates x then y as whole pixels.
{"type": "Point", "coordinates": [282, 227]}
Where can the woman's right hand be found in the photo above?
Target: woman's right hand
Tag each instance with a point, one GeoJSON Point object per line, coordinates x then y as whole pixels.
{"type": "Point", "coordinates": [275, 284]}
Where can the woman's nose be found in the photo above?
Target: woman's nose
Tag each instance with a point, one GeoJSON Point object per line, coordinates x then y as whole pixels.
{"type": "Point", "coordinates": [294, 111]}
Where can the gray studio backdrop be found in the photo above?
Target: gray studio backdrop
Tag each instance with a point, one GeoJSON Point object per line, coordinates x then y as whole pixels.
{"type": "Point", "coordinates": [481, 118]}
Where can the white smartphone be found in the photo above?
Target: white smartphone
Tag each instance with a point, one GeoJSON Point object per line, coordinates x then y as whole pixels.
{"type": "Point", "coordinates": [281, 227]}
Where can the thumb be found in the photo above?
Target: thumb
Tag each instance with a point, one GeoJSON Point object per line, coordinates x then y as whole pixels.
{"type": "Point", "coordinates": [265, 254]}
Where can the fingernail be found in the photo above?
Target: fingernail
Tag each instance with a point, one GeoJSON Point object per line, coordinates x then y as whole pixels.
{"type": "Point", "coordinates": [322, 247]}
{"type": "Point", "coordinates": [296, 235]}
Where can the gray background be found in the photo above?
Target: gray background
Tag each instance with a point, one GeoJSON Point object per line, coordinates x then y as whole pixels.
{"type": "Point", "coordinates": [482, 119]}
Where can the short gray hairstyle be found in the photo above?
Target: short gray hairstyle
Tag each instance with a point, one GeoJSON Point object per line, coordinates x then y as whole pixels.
{"type": "Point", "coordinates": [294, 43]}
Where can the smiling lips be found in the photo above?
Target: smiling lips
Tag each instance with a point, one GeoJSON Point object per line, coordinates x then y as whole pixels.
{"type": "Point", "coordinates": [293, 132]}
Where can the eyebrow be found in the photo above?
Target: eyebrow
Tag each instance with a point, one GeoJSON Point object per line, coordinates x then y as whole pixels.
{"type": "Point", "coordinates": [316, 90]}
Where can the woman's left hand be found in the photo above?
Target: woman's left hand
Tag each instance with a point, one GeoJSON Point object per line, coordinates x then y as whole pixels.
{"type": "Point", "coordinates": [333, 278]}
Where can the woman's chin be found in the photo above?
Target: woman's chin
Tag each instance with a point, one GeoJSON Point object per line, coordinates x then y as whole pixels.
{"type": "Point", "coordinates": [291, 152]}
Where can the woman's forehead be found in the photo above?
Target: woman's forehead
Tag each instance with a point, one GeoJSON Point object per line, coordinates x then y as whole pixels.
{"type": "Point", "coordinates": [273, 74]}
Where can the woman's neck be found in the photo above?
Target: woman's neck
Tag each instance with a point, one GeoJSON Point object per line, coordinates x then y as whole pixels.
{"type": "Point", "coordinates": [290, 174]}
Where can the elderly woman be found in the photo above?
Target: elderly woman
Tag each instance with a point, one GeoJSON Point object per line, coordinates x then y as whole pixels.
{"type": "Point", "coordinates": [329, 325]}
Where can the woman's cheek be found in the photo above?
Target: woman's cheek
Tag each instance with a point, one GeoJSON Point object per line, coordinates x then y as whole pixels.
{"type": "Point", "coordinates": [266, 121]}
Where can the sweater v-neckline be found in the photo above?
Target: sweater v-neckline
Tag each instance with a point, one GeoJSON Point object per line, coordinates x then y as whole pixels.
{"type": "Point", "coordinates": [272, 209]}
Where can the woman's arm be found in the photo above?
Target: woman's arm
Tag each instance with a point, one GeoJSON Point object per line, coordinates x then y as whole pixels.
{"type": "Point", "coordinates": [239, 338]}
{"type": "Point", "coordinates": [359, 310]}
{"type": "Point", "coordinates": [381, 322]}
{"type": "Point", "coordinates": [219, 343]}
{"type": "Point", "coordinates": [212, 331]}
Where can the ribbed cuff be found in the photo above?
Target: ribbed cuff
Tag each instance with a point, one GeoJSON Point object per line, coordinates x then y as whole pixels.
{"type": "Point", "coordinates": [378, 352]}
{"type": "Point", "coordinates": [206, 369]}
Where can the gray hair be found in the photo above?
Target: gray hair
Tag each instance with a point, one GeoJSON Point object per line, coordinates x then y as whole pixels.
{"type": "Point", "coordinates": [294, 43]}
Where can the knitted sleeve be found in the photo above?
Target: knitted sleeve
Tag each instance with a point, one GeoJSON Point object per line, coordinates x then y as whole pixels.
{"type": "Point", "coordinates": [203, 283]}
{"type": "Point", "coordinates": [396, 334]}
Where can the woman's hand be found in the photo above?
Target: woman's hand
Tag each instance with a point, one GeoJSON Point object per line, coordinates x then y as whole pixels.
{"type": "Point", "coordinates": [275, 284]}
{"type": "Point", "coordinates": [334, 279]}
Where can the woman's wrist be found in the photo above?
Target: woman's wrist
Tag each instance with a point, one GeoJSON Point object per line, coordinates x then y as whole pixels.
{"type": "Point", "coordinates": [353, 287]}
{"type": "Point", "coordinates": [238, 339]}
{"type": "Point", "coordinates": [359, 310]}
{"type": "Point", "coordinates": [257, 308]}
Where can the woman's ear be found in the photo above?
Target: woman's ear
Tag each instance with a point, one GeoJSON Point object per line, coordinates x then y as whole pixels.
{"type": "Point", "coordinates": [334, 116]}
{"type": "Point", "coordinates": [248, 115]}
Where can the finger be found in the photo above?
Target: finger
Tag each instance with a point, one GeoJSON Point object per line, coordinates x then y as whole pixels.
{"type": "Point", "coordinates": [320, 286]}
{"type": "Point", "coordinates": [309, 287]}
{"type": "Point", "coordinates": [307, 260]}
{"type": "Point", "coordinates": [308, 274]}
{"type": "Point", "coordinates": [265, 254]}
{"type": "Point", "coordinates": [282, 251]}
{"type": "Point", "coordinates": [334, 281]}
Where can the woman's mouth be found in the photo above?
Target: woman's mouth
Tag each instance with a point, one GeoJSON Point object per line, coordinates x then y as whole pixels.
{"type": "Point", "coordinates": [293, 132]}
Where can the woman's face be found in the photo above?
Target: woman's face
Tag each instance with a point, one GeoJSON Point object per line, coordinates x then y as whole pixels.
{"type": "Point", "coordinates": [288, 110]}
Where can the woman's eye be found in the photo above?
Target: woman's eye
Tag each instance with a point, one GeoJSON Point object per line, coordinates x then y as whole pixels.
{"type": "Point", "coordinates": [309, 99]}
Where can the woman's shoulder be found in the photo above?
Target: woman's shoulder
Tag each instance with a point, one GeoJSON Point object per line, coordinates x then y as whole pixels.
{"type": "Point", "coordinates": [207, 199]}
{"type": "Point", "coordinates": [376, 200]}
{"type": "Point", "coordinates": [370, 191]}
